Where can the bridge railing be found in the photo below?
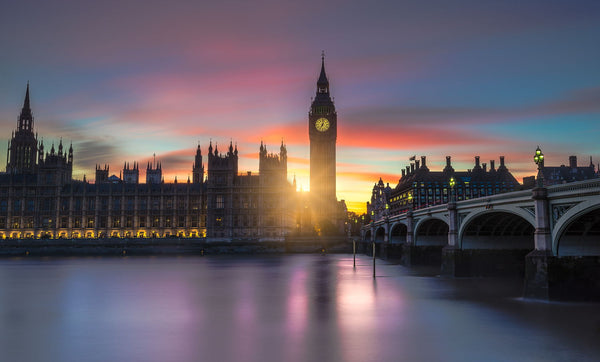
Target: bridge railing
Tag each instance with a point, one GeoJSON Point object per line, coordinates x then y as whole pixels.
{"type": "Point", "coordinates": [573, 189]}
{"type": "Point", "coordinates": [581, 186]}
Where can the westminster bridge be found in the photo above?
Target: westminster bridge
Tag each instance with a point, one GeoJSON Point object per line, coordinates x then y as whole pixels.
{"type": "Point", "coordinates": [551, 235]}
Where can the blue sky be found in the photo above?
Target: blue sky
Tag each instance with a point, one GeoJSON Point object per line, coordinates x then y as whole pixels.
{"type": "Point", "coordinates": [123, 80]}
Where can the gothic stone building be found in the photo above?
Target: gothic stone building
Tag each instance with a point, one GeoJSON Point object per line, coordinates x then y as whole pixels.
{"type": "Point", "coordinates": [39, 198]}
{"type": "Point", "coordinates": [247, 206]}
{"type": "Point", "coordinates": [553, 175]}
{"type": "Point", "coordinates": [419, 187]}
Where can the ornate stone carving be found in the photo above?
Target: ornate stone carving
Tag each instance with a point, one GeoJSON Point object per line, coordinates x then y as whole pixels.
{"type": "Point", "coordinates": [559, 210]}
{"type": "Point", "coordinates": [529, 209]}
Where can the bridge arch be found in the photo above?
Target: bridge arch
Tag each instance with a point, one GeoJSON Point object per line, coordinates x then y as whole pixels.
{"type": "Point", "coordinates": [431, 231]}
{"type": "Point", "coordinates": [398, 233]}
{"type": "Point", "coordinates": [380, 234]}
{"type": "Point", "coordinates": [578, 234]}
{"type": "Point", "coordinates": [367, 236]}
{"type": "Point", "coordinates": [497, 229]}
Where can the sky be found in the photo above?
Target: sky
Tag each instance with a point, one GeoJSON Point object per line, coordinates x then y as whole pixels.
{"type": "Point", "coordinates": [124, 80]}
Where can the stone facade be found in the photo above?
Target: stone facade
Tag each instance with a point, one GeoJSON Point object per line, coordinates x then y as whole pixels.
{"type": "Point", "coordinates": [39, 198]}
{"type": "Point", "coordinates": [419, 187]}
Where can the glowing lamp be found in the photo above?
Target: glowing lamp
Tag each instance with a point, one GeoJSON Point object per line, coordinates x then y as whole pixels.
{"type": "Point", "coordinates": [538, 158]}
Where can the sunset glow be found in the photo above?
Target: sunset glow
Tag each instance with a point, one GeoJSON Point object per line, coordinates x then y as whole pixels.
{"type": "Point", "coordinates": [408, 79]}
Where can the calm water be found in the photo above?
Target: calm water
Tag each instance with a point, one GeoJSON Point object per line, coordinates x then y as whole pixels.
{"type": "Point", "coordinates": [277, 308]}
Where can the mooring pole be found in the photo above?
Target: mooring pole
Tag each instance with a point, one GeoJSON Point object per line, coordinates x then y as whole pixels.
{"type": "Point", "coordinates": [354, 251]}
{"type": "Point", "coordinates": [373, 259]}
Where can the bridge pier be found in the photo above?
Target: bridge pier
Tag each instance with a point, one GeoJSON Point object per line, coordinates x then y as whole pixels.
{"type": "Point", "coordinates": [550, 277]}
{"type": "Point", "coordinates": [537, 281]}
{"type": "Point", "coordinates": [392, 251]}
{"type": "Point", "coordinates": [482, 262]}
{"type": "Point", "coordinates": [421, 255]}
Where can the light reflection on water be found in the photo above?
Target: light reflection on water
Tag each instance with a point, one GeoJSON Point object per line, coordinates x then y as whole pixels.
{"type": "Point", "coordinates": [275, 308]}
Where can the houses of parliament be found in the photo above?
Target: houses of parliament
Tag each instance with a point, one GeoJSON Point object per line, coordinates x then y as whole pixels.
{"type": "Point", "coordinates": [40, 199]}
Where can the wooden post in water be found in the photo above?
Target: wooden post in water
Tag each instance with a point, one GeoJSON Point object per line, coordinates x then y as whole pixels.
{"type": "Point", "coordinates": [373, 259]}
{"type": "Point", "coordinates": [354, 251]}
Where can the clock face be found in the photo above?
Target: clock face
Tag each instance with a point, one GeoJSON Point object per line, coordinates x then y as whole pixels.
{"type": "Point", "coordinates": [322, 124]}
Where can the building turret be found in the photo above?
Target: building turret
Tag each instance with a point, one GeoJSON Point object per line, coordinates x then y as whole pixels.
{"type": "Point", "coordinates": [198, 167]}
{"type": "Point", "coordinates": [272, 166]}
{"type": "Point", "coordinates": [131, 175]}
{"type": "Point", "coordinates": [101, 173]}
{"type": "Point", "coordinates": [23, 147]}
{"type": "Point", "coordinates": [25, 121]}
{"type": "Point", "coordinates": [222, 169]}
{"type": "Point", "coordinates": [41, 152]}
{"type": "Point", "coordinates": [154, 172]}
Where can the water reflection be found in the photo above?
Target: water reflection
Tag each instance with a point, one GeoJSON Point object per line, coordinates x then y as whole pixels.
{"type": "Point", "coordinates": [279, 308]}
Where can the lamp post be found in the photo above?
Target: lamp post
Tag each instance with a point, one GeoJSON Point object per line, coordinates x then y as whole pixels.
{"type": "Point", "coordinates": [538, 157]}
{"type": "Point", "coordinates": [452, 184]}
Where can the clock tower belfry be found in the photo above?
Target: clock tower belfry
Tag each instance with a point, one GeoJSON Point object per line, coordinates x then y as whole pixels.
{"type": "Point", "coordinates": [322, 131]}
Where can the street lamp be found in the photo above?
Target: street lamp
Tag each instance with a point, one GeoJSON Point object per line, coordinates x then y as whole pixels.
{"type": "Point", "coordinates": [538, 157]}
{"type": "Point", "coordinates": [452, 184]}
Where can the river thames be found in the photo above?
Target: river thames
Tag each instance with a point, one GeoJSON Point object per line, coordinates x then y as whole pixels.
{"type": "Point", "coordinates": [276, 308]}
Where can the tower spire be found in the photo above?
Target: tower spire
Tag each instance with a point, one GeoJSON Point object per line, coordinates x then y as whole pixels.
{"type": "Point", "coordinates": [26, 117]}
{"type": "Point", "coordinates": [323, 83]}
{"type": "Point", "coordinates": [26, 103]}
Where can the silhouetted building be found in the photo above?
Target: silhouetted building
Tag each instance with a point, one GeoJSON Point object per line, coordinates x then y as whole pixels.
{"type": "Point", "coordinates": [329, 215]}
{"type": "Point", "coordinates": [553, 175]}
{"type": "Point", "coordinates": [419, 187]}
{"type": "Point", "coordinates": [39, 198]}
{"type": "Point", "coordinates": [246, 205]}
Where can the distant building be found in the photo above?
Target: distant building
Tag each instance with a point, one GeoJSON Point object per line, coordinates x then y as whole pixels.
{"type": "Point", "coordinates": [39, 198]}
{"type": "Point", "coordinates": [419, 187]}
{"type": "Point", "coordinates": [553, 175]}
{"type": "Point", "coordinates": [242, 206]}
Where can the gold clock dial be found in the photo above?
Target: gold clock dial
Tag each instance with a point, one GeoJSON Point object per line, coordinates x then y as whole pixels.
{"type": "Point", "coordinates": [322, 124]}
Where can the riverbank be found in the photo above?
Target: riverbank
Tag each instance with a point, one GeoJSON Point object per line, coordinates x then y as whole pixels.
{"type": "Point", "coordinates": [174, 246]}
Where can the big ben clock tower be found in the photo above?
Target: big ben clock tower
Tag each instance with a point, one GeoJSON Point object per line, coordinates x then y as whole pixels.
{"type": "Point", "coordinates": [322, 130]}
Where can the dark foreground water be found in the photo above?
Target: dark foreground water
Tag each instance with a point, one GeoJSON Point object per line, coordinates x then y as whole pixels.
{"type": "Point", "coordinates": [276, 308]}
